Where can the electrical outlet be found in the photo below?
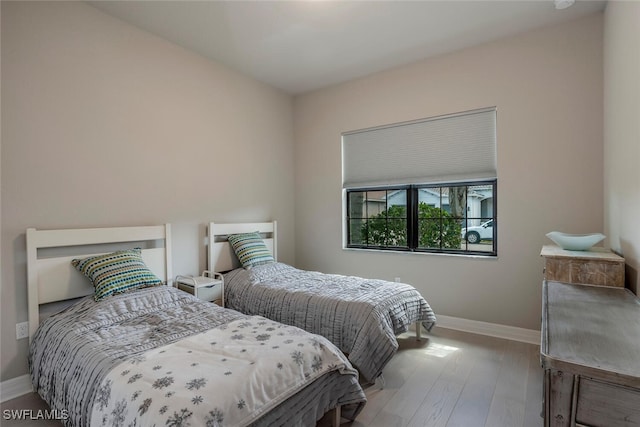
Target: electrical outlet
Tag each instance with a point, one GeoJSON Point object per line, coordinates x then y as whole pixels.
{"type": "Point", "coordinates": [397, 279]}
{"type": "Point", "coordinates": [22, 330]}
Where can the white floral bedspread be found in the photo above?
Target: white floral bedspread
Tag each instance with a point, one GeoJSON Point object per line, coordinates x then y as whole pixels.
{"type": "Point", "coordinates": [227, 376]}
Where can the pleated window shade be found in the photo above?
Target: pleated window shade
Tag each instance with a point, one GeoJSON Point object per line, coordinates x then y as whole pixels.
{"type": "Point", "coordinates": [451, 148]}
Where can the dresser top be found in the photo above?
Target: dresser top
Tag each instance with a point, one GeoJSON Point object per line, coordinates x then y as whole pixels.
{"type": "Point", "coordinates": [594, 329]}
{"type": "Point", "coordinates": [595, 253]}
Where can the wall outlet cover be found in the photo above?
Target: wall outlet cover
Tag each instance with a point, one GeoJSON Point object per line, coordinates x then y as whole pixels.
{"type": "Point", "coordinates": [22, 330]}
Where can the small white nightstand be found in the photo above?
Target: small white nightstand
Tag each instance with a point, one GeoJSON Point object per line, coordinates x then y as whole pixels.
{"type": "Point", "coordinates": [208, 287]}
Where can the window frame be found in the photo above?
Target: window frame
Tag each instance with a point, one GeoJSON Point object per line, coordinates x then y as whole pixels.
{"type": "Point", "coordinates": [412, 218]}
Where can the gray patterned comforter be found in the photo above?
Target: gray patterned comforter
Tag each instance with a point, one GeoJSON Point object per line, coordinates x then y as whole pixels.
{"type": "Point", "coordinates": [360, 316]}
{"type": "Point", "coordinates": [76, 352]}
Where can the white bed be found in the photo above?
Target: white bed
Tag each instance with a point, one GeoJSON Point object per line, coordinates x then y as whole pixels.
{"type": "Point", "coordinates": [96, 361]}
{"type": "Point", "coordinates": [51, 277]}
{"type": "Point", "coordinates": [360, 316]}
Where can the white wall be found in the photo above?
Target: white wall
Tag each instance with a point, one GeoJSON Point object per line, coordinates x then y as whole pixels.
{"type": "Point", "coordinates": [107, 125]}
{"type": "Point", "coordinates": [622, 133]}
{"type": "Point", "coordinates": [547, 86]}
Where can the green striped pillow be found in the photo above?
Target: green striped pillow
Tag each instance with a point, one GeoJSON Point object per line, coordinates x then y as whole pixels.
{"type": "Point", "coordinates": [116, 272]}
{"type": "Point", "coordinates": [250, 249]}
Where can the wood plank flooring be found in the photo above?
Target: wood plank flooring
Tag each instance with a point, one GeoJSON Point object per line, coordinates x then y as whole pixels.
{"type": "Point", "coordinates": [457, 379]}
{"type": "Point", "coordinates": [449, 379]}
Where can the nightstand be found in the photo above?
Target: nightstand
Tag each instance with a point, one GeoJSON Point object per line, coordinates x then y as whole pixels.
{"type": "Point", "coordinates": [208, 287]}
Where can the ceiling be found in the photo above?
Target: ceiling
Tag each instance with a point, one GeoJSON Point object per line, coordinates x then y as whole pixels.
{"type": "Point", "coordinates": [299, 46]}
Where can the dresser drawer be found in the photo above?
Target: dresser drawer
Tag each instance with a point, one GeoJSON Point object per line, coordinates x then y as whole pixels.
{"type": "Point", "coordinates": [597, 273]}
{"type": "Point", "coordinates": [602, 404]}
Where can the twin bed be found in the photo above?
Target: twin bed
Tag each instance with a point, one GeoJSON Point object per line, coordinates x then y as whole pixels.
{"type": "Point", "coordinates": [157, 355]}
{"type": "Point", "coordinates": [362, 317]}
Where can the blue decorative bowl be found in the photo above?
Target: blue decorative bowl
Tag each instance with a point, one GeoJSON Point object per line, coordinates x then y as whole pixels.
{"type": "Point", "coordinates": [575, 242]}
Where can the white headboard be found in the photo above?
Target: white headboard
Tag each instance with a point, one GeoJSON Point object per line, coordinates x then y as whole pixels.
{"type": "Point", "coordinates": [221, 255]}
{"type": "Point", "coordinates": [51, 277]}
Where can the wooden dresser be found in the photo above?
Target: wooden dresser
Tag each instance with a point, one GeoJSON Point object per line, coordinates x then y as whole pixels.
{"type": "Point", "coordinates": [597, 266]}
{"type": "Point", "coordinates": [590, 352]}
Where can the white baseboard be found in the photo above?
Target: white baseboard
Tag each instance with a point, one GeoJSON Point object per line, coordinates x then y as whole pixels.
{"type": "Point", "coordinates": [15, 387]}
{"type": "Point", "coordinates": [491, 329]}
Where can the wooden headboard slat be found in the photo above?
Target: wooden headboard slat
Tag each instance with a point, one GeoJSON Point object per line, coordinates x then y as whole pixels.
{"type": "Point", "coordinates": [89, 236]}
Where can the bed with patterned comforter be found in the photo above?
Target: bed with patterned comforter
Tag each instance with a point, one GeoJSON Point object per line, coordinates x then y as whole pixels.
{"type": "Point", "coordinates": [159, 356]}
{"type": "Point", "coordinates": [362, 317]}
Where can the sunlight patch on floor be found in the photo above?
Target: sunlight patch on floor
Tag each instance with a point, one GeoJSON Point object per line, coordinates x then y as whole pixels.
{"type": "Point", "coordinates": [440, 350]}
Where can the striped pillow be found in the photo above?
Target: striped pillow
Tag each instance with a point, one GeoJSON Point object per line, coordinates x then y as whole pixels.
{"type": "Point", "coordinates": [117, 272]}
{"type": "Point", "coordinates": [250, 249]}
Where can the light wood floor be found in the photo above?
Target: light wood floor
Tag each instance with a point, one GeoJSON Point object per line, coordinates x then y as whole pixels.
{"type": "Point", "coordinates": [449, 379]}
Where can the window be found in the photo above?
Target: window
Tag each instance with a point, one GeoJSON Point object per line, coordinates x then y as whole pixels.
{"type": "Point", "coordinates": [397, 196]}
{"type": "Point", "coordinates": [452, 218]}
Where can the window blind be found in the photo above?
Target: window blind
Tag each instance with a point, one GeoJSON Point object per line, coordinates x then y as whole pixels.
{"type": "Point", "coordinates": [455, 147]}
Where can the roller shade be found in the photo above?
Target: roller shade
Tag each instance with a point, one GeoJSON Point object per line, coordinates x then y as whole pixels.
{"type": "Point", "coordinates": [455, 147]}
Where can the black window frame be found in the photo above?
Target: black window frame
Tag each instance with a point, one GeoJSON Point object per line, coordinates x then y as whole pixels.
{"type": "Point", "coordinates": [412, 218]}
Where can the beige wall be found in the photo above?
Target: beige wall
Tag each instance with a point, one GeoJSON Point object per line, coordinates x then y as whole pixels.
{"type": "Point", "coordinates": [547, 86]}
{"type": "Point", "coordinates": [622, 133]}
{"type": "Point", "coordinates": [106, 125]}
